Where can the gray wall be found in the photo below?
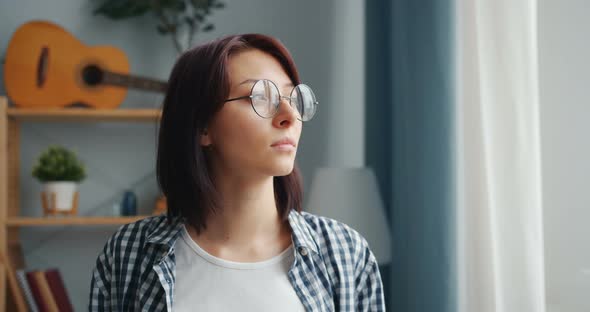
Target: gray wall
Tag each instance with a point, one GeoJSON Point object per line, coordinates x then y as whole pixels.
{"type": "Point", "coordinates": [565, 113]}
{"type": "Point", "coordinates": [120, 156]}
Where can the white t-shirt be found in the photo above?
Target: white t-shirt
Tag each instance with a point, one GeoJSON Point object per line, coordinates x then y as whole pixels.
{"type": "Point", "coordinates": [207, 283]}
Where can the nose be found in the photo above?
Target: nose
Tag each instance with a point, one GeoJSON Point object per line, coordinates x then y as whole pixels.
{"type": "Point", "coordinates": [286, 114]}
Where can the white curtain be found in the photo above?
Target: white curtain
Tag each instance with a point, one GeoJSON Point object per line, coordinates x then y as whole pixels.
{"type": "Point", "coordinates": [500, 234]}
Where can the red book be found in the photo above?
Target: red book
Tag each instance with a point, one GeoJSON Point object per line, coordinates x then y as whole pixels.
{"type": "Point", "coordinates": [36, 291]}
{"type": "Point", "coordinates": [58, 290]}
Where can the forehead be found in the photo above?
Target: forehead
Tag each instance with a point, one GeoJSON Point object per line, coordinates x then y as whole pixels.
{"type": "Point", "coordinates": [255, 64]}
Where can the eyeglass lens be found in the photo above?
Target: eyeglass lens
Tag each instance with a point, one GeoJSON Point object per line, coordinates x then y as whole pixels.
{"type": "Point", "coordinates": [266, 97]}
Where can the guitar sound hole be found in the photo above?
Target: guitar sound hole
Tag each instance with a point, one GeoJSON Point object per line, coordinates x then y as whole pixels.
{"type": "Point", "coordinates": [92, 75]}
{"type": "Point", "coordinates": [42, 66]}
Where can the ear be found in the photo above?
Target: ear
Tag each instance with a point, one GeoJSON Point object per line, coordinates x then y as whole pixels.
{"type": "Point", "coordinates": [205, 139]}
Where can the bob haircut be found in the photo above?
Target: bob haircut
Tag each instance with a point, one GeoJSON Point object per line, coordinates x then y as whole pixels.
{"type": "Point", "coordinates": [197, 88]}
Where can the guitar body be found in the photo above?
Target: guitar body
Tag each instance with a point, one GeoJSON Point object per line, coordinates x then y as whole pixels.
{"type": "Point", "coordinates": [46, 67]}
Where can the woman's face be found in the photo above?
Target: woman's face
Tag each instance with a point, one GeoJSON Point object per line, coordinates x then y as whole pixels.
{"type": "Point", "coordinates": [243, 143]}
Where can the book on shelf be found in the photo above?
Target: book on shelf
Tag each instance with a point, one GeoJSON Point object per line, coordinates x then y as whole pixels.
{"type": "Point", "coordinates": [58, 290]}
{"type": "Point", "coordinates": [26, 289]}
{"type": "Point", "coordinates": [36, 291]}
{"type": "Point", "coordinates": [45, 299]}
{"type": "Point", "coordinates": [47, 290]}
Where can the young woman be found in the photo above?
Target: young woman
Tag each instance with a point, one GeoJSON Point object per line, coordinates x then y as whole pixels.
{"type": "Point", "coordinates": [234, 237]}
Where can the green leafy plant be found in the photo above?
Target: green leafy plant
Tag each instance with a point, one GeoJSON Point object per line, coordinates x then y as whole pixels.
{"type": "Point", "coordinates": [173, 15]}
{"type": "Point", "coordinates": [57, 163]}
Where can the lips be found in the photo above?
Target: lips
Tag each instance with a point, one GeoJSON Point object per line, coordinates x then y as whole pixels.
{"type": "Point", "coordinates": [284, 141]}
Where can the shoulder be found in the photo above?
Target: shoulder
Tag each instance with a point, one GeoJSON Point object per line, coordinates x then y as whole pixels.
{"type": "Point", "coordinates": [325, 229]}
{"type": "Point", "coordinates": [344, 259]}
{"type": "Point", "coordinates": [140, 228]}
{"type": "Point", "coordinates": [336, 239]}
{"type": "Point", "coordinates": [127, 255]}
{"type": "Point", "coordinates": [132, 238]}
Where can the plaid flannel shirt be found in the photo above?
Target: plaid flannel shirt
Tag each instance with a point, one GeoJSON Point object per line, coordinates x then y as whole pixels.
{"type": "Point", "coordinates": [333, 270]}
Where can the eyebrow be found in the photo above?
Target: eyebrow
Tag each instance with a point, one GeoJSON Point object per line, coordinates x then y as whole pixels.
{"type": "Point", "coordinates": [250, 80]}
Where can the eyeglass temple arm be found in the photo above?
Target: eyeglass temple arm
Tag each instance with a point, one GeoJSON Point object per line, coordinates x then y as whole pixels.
{"type": "Point", "coordinates": [239, 98]}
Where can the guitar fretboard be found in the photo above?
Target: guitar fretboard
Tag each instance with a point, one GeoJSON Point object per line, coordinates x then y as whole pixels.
{"type": "Point", "coordinates": [135, 82]}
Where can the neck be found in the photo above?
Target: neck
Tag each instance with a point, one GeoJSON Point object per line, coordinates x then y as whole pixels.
{"type": "Point", "coordinates": [247, 212]}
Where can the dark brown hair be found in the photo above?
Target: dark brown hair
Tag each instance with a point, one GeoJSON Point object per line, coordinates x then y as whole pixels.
{"type": "Point", "coordinates": [197, 88]}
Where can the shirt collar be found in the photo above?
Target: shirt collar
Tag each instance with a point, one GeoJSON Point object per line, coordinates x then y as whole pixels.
{"type": "Point", "coordinates": [166, 232]}
{"type": "Point", "coordinates": [301, 232]}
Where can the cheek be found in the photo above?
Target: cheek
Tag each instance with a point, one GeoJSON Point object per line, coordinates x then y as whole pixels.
{"type": "Point", "coordinates": [238, 134]}
{"type": "Point", "coordinates": [299, 127]}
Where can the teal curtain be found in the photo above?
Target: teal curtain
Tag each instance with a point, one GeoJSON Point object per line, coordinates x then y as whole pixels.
{"type": "Point", "coordinates": [409, 144]}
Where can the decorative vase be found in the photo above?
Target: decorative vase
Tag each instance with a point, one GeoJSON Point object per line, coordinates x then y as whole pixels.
{"type": "Point", "coordinates": [161, 206]}
{"type": "Point", "coordinates": [129, 204]}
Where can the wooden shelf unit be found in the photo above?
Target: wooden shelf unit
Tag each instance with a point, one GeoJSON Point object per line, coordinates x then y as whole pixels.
{"type": "Point", "coordinates": [51, 221]}
{"type": "Point", "coordinates": [83, 115]}
{"type": "Point", "coordinates": [10, 219]}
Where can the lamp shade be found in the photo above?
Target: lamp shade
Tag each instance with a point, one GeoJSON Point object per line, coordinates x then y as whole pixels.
{"type": "Point", "coordinates": [351, 196]}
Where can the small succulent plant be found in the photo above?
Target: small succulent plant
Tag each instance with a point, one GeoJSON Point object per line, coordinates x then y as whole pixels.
{"type": "Point", "coordinates": [57, 163]}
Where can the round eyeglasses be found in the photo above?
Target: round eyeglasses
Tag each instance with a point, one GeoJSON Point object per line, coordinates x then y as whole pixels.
{"type": "Point", "coordinates": [265, 99]}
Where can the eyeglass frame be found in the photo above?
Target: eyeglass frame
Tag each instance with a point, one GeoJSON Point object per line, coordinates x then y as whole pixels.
{"type": "Point", "coordinates": [315, 103]}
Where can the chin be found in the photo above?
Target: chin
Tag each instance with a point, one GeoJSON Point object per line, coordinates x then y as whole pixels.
{"type": "Point", "coordinates": [279, 171]}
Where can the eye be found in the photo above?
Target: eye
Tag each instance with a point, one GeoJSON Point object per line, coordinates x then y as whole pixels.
{"type": "Point", "coordinates": [259, 97]}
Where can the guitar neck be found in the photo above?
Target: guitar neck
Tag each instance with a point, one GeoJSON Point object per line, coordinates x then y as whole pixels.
{"type": "Point", "coordinates": [136, 82]}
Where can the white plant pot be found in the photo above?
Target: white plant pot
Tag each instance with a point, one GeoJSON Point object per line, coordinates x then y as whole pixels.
{"type": "Point", "coordinates": [64, 194]}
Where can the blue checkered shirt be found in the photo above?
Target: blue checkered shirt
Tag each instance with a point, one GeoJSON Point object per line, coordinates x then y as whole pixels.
{"type": "Point", "coordinates": [333, 270]}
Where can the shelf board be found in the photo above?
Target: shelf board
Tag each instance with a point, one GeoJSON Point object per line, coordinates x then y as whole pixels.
{"type": "Point", "coordinates": [84, 114]}
{"type": "Point", "coordinates": [65, 220]}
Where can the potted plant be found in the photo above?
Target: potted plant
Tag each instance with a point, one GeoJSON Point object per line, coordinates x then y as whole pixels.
{"type": "Point", "coordinates": [60, 171]}
{"type": "Point", "coordinates": [177, 18]}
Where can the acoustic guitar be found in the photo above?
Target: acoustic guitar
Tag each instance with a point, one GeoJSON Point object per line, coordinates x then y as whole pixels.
{"type": "Point", "coordinates": [47, 67]}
